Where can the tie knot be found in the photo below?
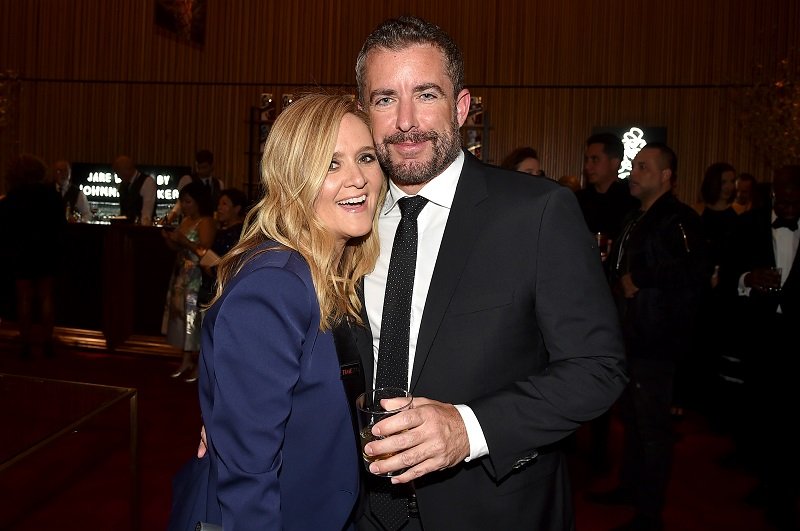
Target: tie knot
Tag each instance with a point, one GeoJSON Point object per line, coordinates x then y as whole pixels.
{"type": "Point", "coordinates": [411, 206]}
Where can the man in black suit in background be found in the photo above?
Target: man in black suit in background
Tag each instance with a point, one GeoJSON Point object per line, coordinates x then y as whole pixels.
{"type": "Point", "coordinates": [658, 268]}
{"type": "Point", "coordinates": [769, 239]}
{"type": "Point", "coordinates": [605, 202]}
{"type": "Point", "coordinates": [606, 199]}
{"type": "Point", "coordinates": [513, 341]}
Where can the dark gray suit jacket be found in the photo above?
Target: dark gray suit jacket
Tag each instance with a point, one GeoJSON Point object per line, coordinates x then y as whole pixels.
{"type": "Point", "coordinates": [519, 325]}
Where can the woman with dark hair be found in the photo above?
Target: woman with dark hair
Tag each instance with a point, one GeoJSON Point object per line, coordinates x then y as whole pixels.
{"type": "Point", "coordinates": [182, 313]}
{"type": "Point", "coordinates": [718, 191]}
{"type": "Point", "coordinates": [231, 211]}
{"type": "Point", "coordinates": [524, 159]}
{"type": "Point", "coordinates": [714, 339]}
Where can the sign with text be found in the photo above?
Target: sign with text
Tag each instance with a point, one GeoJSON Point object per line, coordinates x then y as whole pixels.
{"type": "Point", "coordinates": [100, 184]}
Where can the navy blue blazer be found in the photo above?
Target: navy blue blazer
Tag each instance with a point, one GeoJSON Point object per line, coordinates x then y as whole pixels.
{"type": "Point", "coordinates": [282, 452]}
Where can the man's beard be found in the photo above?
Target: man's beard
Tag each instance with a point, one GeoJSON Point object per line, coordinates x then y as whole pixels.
{"type": "Point", "coordinates": [446, 146]}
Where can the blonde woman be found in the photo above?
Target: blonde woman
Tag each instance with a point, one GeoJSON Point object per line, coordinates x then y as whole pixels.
{"type": "Point", "coordinates": [281, 449]}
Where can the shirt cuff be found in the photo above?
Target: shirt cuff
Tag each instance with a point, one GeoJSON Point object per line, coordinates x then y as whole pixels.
{"type": "Point", "coordinates": [477, 441]}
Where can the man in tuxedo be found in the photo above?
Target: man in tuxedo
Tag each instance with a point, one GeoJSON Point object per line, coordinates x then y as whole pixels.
{"type": "Point", "coordinates": [511, 337]}
{"type": "Point", "coordinates": [769, 239]}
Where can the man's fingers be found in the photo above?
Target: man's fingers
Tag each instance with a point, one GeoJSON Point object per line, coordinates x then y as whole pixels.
{"type": "Point", "coordinates": [202, 448]}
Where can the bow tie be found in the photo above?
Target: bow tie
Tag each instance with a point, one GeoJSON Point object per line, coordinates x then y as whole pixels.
{"type": "Point", "coordinates": [790, 224]}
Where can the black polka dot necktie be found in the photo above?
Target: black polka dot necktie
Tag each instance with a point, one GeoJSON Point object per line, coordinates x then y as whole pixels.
{"type": "Point", "coordinates": [389, 503]}
{"type": "Point", "coordinates": [396, 316]}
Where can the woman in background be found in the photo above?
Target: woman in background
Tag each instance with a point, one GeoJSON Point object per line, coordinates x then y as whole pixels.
{"type": "Point", "coordinates": [182, 313]}
{"type": "Point", "coordinates": [231, 209]}
{"type": "Point", "coordinates": [524, 159]}
{"type": "Point", "coordinates": [715, 332]}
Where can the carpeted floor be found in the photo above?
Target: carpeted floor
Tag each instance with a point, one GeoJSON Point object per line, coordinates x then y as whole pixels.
{"type": "Point", "coordinates": [83, 480]}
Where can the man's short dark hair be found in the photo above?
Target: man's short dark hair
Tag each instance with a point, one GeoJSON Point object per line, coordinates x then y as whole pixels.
{"type": "Point", "coordinates": [669, 159]}
{"type": "Point", "coordinates": [612, 145]}
{"type": "Point", "coordinates": [400, 33]}
{"type": "Point", "coordinates": [204, 156]}
{"type": "Point", "coordinates": [788, 176]}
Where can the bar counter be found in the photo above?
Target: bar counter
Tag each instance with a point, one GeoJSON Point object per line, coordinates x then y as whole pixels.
{"type": "Point", "coordinates": [112, 285]}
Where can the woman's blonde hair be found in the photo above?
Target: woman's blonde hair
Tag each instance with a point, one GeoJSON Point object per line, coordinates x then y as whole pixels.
{"type": "Point", "coordinates": [296, 160]}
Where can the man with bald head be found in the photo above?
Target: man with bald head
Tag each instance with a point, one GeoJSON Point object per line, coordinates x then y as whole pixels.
{"type": "Point", "coordinates": [658, 268]}
{"type": "Point", "coordinates": [137, 191]}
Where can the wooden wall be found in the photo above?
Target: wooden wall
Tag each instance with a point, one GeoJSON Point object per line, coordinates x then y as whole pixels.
{"type": "Point", "coordinates": [98, 79]}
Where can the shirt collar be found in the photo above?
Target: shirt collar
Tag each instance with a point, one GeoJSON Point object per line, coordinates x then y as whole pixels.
{"type": "Point", "coordinates": [440, 190]}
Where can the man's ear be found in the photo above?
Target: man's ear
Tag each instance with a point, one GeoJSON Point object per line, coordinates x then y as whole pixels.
{"type": "Point", "coordinates": [462, 106]}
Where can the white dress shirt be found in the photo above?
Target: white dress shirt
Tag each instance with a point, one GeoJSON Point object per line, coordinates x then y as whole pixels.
{"type": "Point", "coordinates": [784, 243]}
{"type": "Point", "coordinates": [431, 223]}
{"type": "Point", "coordinates": [81, 203]}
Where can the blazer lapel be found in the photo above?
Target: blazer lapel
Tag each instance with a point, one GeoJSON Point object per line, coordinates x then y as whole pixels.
{"type": "Point", "coordinates": [362, 337]}
{"type": "Point", "coordinates": [463, 224]}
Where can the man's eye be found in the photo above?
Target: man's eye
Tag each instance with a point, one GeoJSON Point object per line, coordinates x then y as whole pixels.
{"type": "Point", "coordinates": [383, 101]}
{"type": "Point", "coordinates": [427, 96]}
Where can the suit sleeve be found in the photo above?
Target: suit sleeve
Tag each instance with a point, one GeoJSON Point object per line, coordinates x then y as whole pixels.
{"type": "Point", "coordinates": [575, 315]}
{"type": "Point", "coordinates": [257, 342]}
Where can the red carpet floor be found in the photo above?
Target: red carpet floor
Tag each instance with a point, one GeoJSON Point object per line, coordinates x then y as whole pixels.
{"type": "Point", "coordinates": [83, 480]}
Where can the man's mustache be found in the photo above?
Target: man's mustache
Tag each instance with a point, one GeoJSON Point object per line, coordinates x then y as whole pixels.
{"type": "Point", "coordinates": [414, 137]}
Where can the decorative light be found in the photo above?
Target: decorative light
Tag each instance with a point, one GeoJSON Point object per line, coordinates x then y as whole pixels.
{"type": "Point", "coordinates": [633, 141]}
{"type": "Point", "coordinates": [769, 113]}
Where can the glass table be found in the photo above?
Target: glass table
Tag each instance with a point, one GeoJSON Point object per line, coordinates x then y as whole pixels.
{"type": "Point", "coordinates": [37, 413]}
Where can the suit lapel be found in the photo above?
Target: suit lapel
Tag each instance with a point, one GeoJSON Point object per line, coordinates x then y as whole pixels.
{"type": "Point", "coordinates": [463, 225]}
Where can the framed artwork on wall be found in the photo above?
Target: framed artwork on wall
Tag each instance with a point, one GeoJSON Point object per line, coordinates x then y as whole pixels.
{"type": "Point", "coordinates": [182, 19]}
